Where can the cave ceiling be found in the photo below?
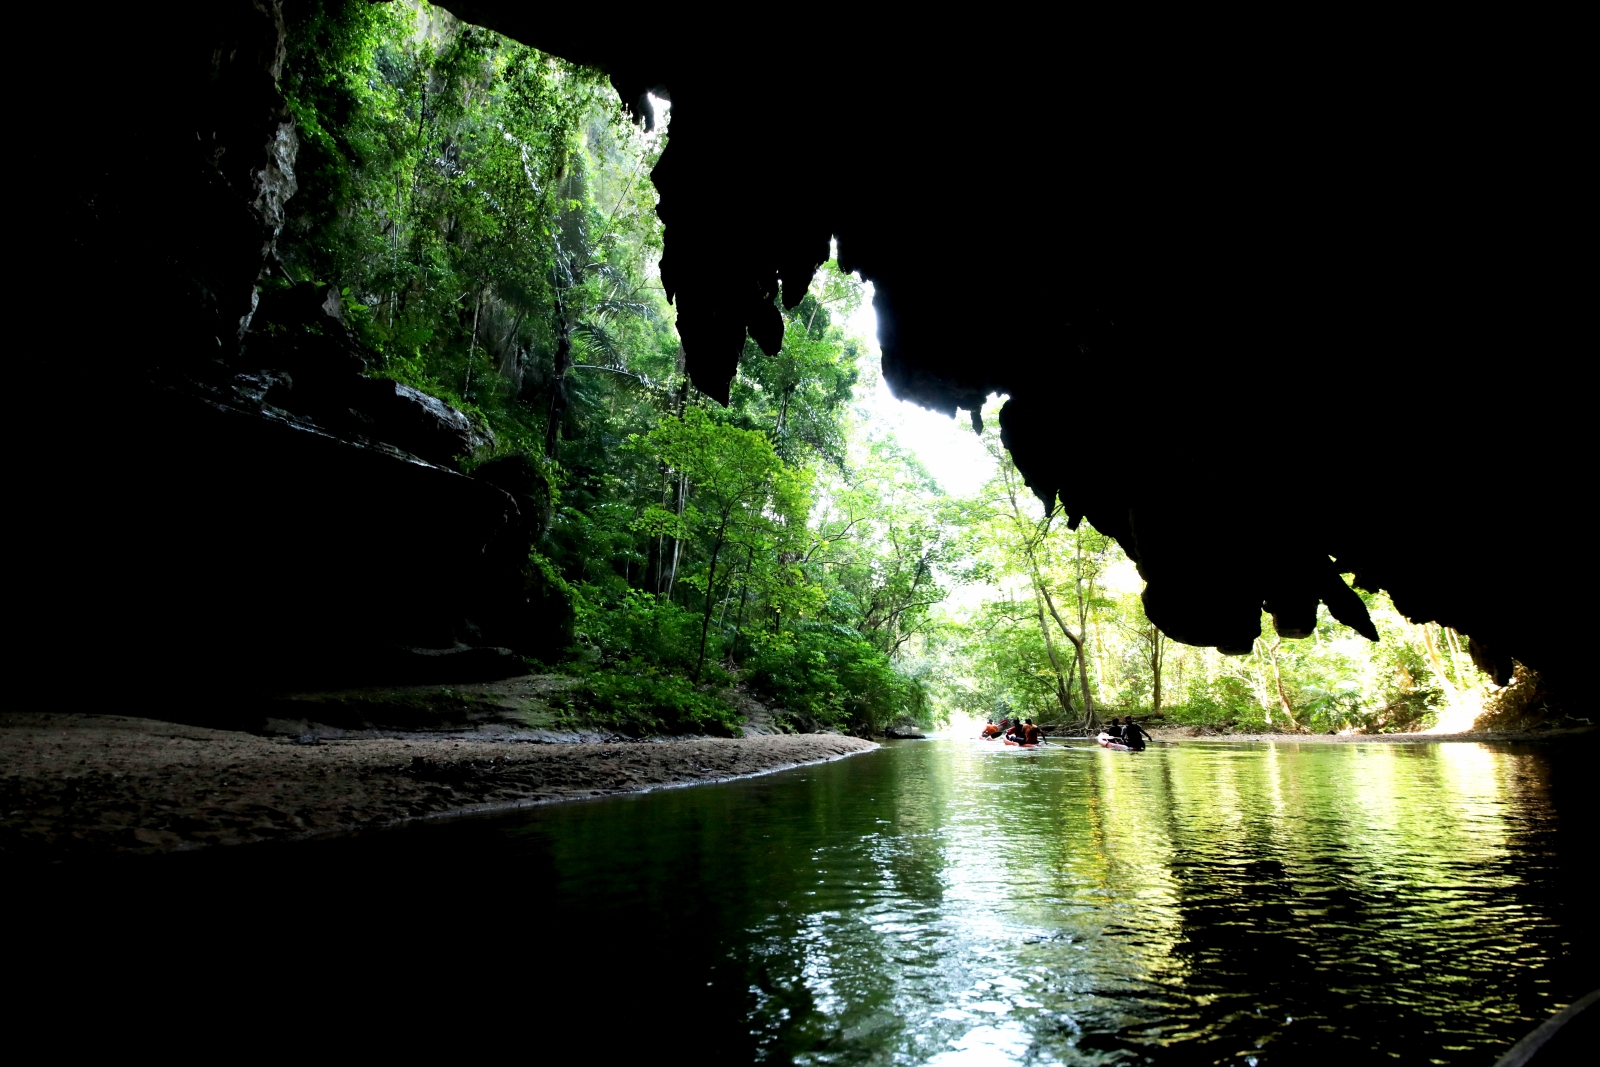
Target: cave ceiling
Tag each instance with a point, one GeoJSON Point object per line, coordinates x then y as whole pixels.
{"type": "Point", "coordinates": [1303, 297]}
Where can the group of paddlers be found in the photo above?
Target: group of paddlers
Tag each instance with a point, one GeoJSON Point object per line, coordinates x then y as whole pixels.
{"type": "Point", "coordinates": [1017, 731]}
{"type": "Point", "coordinates": [1127, 733]}
{"type": "Point", "coordinates": [1024, 732]}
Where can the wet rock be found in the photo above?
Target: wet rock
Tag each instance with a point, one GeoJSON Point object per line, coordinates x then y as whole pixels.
{"type": "Point", "coordinates": [430, 666]}
{"type": "Point", "coordinates": [423, 424]}
{"type": "Point", "coordinates": [313, 365]}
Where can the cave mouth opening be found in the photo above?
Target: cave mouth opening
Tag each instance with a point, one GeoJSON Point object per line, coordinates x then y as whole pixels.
{"type": "Point", "coordinates": [357, 403]}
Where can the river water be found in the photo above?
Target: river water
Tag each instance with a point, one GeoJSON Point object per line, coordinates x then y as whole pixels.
{"type": "Point", "coordinates": [951, 901]}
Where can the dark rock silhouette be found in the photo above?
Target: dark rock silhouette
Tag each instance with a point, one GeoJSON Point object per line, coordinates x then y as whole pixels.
{"type": "Point", "coordinates": [1274, 280]}
{"type": "Point", "coordinates": [1275, 277]}
{"type": "Point", "coordinates": [245, 507]}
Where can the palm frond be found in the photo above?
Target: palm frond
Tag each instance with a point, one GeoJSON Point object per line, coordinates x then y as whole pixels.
{"type": "Point", "coordinates": [598, 343]}
{"type": "Point", "coordinates": [648, 312]}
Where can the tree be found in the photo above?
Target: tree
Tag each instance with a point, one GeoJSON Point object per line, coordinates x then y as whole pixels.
{"type": "Point", "coordinates": [1148, 639]}
{"type": "Point", "coordinates": [1030, 539]}
{"type": "Point", "coordinates": [740, 495]}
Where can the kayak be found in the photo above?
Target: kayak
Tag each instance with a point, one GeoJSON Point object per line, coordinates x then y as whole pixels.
{"type": "Point", "coordinates": [1019, 744]}
{"type": "Point", "coordinates": [1107, 741]}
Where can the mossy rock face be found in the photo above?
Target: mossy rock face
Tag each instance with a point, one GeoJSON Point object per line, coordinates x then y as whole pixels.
{"type": "Point", "coordinates": [401, 710]}
{"type": "Point", "coordinates": [511, 706]}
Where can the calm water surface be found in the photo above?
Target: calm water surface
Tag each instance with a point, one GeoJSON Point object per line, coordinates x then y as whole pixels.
{"type": "Point", "coordinates": [952, 902]}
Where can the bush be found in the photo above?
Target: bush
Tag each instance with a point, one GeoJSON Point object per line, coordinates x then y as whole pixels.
{"type": "Point", "coordinates": [1525, 704]}
{"type": "Point", "coordinates": [639, 629]}
{"type": "Point", "coordinates": [648, 702]}
{"type": "Point", "coordinates": [1204, 711]}
{"type": "Point", "coordinates": [831, 676]}
{"type": "Point", "coordinates": [1225, 705]}
{"type": "Point", "coordinates": [634, 657]}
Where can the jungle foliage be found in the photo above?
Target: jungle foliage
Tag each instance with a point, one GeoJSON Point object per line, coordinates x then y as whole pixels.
{"type": "Point", "coordinates": [486, 211]}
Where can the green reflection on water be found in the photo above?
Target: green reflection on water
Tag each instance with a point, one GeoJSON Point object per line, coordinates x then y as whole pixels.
{"type": "Point", "coordinates": [931, 902]}
{"type": "Point", "coordinates": [956, 902]}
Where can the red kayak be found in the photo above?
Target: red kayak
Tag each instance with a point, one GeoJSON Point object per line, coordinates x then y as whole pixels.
{"type": "Point", "coordinates": [1019, 744]}
{"type": "Point", "coordinates": [1107, 741]}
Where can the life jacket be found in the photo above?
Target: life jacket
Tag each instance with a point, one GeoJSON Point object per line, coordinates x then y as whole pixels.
{"type": "Point", "coordinates": [991, 730]}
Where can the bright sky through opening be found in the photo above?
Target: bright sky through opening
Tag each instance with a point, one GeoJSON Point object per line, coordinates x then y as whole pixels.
{"type": "Point", "coordinates": [947, 447]}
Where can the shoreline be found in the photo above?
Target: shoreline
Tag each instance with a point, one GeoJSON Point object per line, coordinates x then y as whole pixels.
{"type": "Point", "coordinates": [578, 798]}
{"type": "Point", "coordinates": [79, 786]}
{"type": "Point", "coordinates": [1187, 735]}
{"type": "Point", "coordinates": [1173, 735]}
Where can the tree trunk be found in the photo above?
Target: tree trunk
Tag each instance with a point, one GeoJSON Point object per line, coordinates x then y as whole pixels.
{"type": "Point", "coordinates": [677, 542]}
{"type": "Point", "coordinates": [1277, 677]}
{"type": "Point", "coordinates": [1158, 650]}
{"type": "Point", "coordinates": [472, 346]}
{"type": "Point", "coordinates": [1453, 639]}
{"type": "Point", "coordinates": [1062, 696]}
{"type": "Point", "coordinates": [711, 584]}
{"type": "Point", "coordinates": [1090, 720]}
{"type": "Point", "coordinates": [511, 370]}
{"type": "Point", "coordinates": [657, 556]}
{"type": "Point", "coordinates": [727, 595]}
{"type": "Point", "coordinates": [1452, 694]}
{"type": "Point", "coordinates": [1085, 593]}
{"type": "Point", "coordinates": [558, 391]}
{"type": "Point", "coordinates": [651, 578]}
{"type": "Point", "coordinates": [744, 593]}
{"type": "Point", "coordinates": [681, 488]}
{"type": "Point", "coordinates": [783, 412]}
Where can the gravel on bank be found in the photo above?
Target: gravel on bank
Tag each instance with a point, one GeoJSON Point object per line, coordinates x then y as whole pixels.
{"type": "Point", "coordinates": [79, 785]}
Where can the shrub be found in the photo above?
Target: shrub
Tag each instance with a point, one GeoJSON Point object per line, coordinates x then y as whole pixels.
{"type": "Point", "coordinates": [831, 676]}
{"type": "Point", "coordinates": [647, 702]}
{"type": "Point", "coordinates": [1227, 703]}
{"type": "Point", "coordinates": [639, 629]}
{"type": "Point", "coordinates": [634, 656]}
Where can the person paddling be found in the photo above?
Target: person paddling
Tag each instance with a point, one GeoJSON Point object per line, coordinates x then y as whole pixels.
{"type": "Point", "coordinates": [991, 731]}
{"type": "Point", "coordinates": [1133, 734]}
{"type": "Point", "coordinates": [1031, 734]}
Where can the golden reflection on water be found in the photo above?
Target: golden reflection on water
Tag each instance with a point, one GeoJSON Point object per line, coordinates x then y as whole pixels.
{"type": "Point", "coordinates": [1209, 902]}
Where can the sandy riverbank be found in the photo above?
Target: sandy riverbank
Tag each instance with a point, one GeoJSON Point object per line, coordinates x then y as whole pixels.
{"type": "Point", "coordinates": [77, 785]}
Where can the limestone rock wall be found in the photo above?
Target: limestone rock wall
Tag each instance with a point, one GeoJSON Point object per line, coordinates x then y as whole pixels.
{"type": "Point", "coordinates": [239, 505]}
